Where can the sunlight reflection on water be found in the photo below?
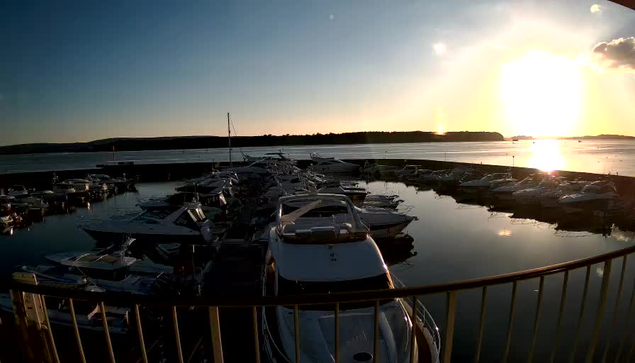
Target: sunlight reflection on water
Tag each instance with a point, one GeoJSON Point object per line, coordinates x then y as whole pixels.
{"type": "Point", "coordinates": [547, 156]}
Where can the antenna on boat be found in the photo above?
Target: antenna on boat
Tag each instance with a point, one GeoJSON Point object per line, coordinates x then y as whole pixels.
{"type": "Point", "coordinates": [229, 139]}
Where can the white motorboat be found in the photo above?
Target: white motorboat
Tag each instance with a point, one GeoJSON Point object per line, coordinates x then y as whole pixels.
{"type": "Point", "coordinates": [506, 192]}
{"type": "Point", "coordinates": [407, 172]}
{"type": "Point", "coordinates": [319, 245]}
{"type": "Point", "coordinates": [117, 263]}
{"type": "Point", "coordinates": [486, 182]}
{"type": "Point", "coordinates": [184, 224]}
{"type": "Point", "coordinates": [430, 177]}
{"type": "Point", "coordinates": [595, 197]}
{"type": "Point", "coordinates": [454, 177]}
{"type": "Point", "coordinates": [384, 223]}
{"type": "Point", "coordinates": [534, 195]}
{"type": "Point", "coordinates": [18, 191]}
{"type": "Point", "coordinates": [377, 169]}
{"type": "Point", "coordinates": [87, 315]}
{"type": "Point", "coordinates": [331, 165]}
{"type": "Point", "coordinates": [550, 198]}
{"type": "Point", "coordinates": [355, 193]}
{"type": "Point", "coordinates": [117, 280]}
{"type": "Point", "coordinates": [382, 201]}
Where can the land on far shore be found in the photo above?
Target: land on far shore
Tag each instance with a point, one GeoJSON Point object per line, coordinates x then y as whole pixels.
{"type": "Point", "coordinates": [209, 142]}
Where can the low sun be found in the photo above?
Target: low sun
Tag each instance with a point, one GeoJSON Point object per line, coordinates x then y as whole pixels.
{"type": "Point", "coordinates": [541, 94]}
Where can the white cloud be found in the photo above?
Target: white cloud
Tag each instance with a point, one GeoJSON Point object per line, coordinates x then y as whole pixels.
{"type": "Point", "coordinates": [617, 54]}
{"type": "Point", "coordinates": [331, 16]}
{"type": "Point", "coordinates": [595, 8]}
{"type": "Point", "coordinates": [439, 48]}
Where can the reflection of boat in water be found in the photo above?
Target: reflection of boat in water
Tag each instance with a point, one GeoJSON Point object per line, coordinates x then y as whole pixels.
{"type": "Point", "coordinates": [319, 245]}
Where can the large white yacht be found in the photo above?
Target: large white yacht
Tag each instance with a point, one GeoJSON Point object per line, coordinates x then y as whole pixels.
{"type": "Point", "coordinates": [319, 245]}
{"type": "Point", "coordinates": [183, 224]}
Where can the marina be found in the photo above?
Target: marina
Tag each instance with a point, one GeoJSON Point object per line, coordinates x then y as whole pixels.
{"type": "Point", "coordinates": [431, 226]}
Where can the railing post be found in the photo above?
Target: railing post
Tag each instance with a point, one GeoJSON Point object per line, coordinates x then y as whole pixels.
{"type": "Point", "coordinates": [606, 278]}
{"type": "Point", "coordinates": [177, 335]}
{"type": "Point", "coordinates": [481, 325]}
{"type": "Point", "coordinates": [80, 348]}
{"type": "Point", "coordinates": [337, 332]}
{"type": "Point", "coordinates": [627, 329]}
{"type": "Point", "coordinates": [536, 319]}
{"type": "Point", "coordinates": [617, 307]}
{"type": "Point", "coordinates": [142, 344]}
{"type": "Point", "coordinates": [376, 334]}
{"type": "Point", "coordinates": [449, 326]}
{"type": "Point", "coordinates": [563, 298]}
{"type": "Point", "coordinates": [582, 306]}
{"type": "Point", "coordinates": [217, 342]}
{"type": "Point", "coordinates": [296, 324]}
{"type": "Point", "coordinates": [254, 317]}
{"type": "Point", "coordinates": [510, 327]}
{"type": "Point", "coordinates": [104, 320]}
{"type": "Point", "coordinates": [413, 336]}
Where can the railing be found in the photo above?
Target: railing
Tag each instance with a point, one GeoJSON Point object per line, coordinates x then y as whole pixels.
{"type": "Point", "coordinates": [622, 347]}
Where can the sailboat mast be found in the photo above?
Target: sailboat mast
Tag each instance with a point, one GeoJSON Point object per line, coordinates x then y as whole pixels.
{"type": "Point", "coordinates": [229, 140]}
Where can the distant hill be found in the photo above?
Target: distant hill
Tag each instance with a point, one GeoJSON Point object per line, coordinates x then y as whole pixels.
{"type": "Point", "coordinates": [604, 137]}
{"type": "Point", "coordinates": [209, 142]}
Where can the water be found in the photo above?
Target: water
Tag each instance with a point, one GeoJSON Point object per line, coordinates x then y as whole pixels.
{"type": "Point", "coordinates": [600, 156]}
{"type": "Point", "coordinates": [451, 242]}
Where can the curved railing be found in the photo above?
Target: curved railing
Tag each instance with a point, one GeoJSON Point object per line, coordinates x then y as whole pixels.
{"type": "Point", "coordinates": [451, 290]}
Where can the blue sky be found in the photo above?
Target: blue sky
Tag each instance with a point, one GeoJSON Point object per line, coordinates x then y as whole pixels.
{"type": "Point", "coordinates": [84, 70]}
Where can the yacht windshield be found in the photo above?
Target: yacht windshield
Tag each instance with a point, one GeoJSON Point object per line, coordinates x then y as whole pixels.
{"type": "Point", "coordinates": [294, 287]}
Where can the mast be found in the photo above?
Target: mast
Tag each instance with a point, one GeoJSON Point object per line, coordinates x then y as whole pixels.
{"type": "Point", "coordinates": [229, 140]}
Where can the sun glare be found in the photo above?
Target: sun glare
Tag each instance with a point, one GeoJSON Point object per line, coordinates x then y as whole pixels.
{"type": "Point", "coordinates": [541, 94]}
{"type": "Point", "coordinates": [546, 156]}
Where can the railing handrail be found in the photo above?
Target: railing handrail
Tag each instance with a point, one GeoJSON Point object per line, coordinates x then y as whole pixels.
{"type": "Point", "coordinates": [125, 299]}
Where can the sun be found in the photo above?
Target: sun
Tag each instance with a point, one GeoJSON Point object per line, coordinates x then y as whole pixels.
{"type": "Point", "coordinates": [541, 94]}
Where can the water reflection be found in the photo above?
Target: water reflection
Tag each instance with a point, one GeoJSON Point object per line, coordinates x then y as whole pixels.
{"type": "Point", "coordinates": [505, 233]}
{"type": "Point", "coordinates": [547, 156]}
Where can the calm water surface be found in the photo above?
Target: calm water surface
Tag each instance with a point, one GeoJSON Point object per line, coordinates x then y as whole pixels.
{"type": "Point", "coordinates": [451, 242]}
{"type": "Point", "coordinates": [602, 156]}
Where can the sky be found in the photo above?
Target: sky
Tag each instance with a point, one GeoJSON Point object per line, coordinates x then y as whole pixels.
{"type": "Point", "coordinates": [81, 70]}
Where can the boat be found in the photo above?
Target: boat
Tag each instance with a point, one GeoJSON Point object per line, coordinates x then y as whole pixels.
{"type": "Point", "coordinates": [18, 191]}
{"type": "Point", "coordinates": [331, 165]}
{"type": "Point", "coordinates": [88, 315]}
{"type": "Point", "coordinates": [534, 195]}
{"type": "Point", "coordinates": [117, 263]}
{"type": "Point", "coordinates": [318, 244]}
{"type": "Point", "coordinates": [355, 193]}
{"type": "Point", "coordinates": [384, 223]}
{"type": "Point", "coordinates": [507, 192]}
{"type": "Point", "coordinates": [382, 201]}
{"type": "Point", "coordinates": [183, 224]}
{"type": "Point", "coordinates": [596, 197]}
{"type": "Point", "coordinates": [407, 172]}
{"type": "Point", "coordinates": [487, 182]}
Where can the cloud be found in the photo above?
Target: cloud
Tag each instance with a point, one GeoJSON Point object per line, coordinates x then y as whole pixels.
{"type": "Point", "coordinates": [618, 53]}
{"type": "Point", "coordinates": [595, 8]}
{"type": "Point", "coordinates": [439, 48]}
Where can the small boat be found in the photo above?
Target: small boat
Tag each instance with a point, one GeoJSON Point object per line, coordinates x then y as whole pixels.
{"type": "Point", "coordinates": [88, 315]}
{"type": "Point", "coordinates": [331, 165]}
{"type": "Point", "coordinates": [487, 182]}
{"type": "Point", "coordinates": [355, 193]}
{"type": "Point", "coordinates": [595, 197]}
{"type": "Point", "coordinates": [18, 191]}
{"type": "Point", "coordinates": [185, 224]}
{"type": "Point", "coordinates": [507, 192]}
{"type": "Point", "coordinates": [384, 223]}
{"type": "Point", "coordinates": [320, 245]}
{"type": "Point", "coordinates": [408, 172]}
{"type": "Point", "coordinates": [117, 263]}
{"type": "Point", "coordinates": [382, 201]}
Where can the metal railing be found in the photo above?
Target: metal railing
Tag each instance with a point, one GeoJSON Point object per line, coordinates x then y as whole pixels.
{"type": "Point", "coordinates": [623, 347]}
